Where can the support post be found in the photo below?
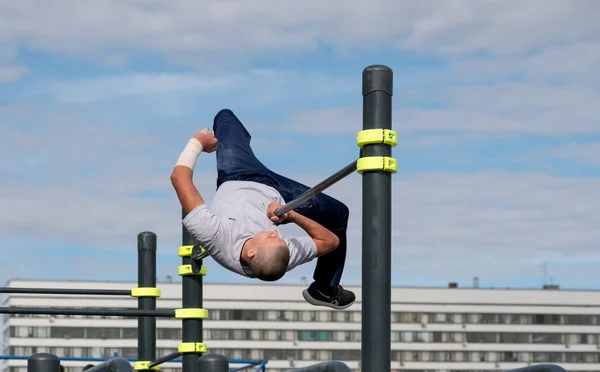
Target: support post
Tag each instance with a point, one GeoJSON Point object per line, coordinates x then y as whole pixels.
{"type": "Point", "coordinates": [191, 287]}
{"type": "Point", "coordinates": [213, 363]}
{"type": "Point", "coordinates": [43, 362]}
{"type": "Point", "coordinates": [146, 299]}
{"type": "Point", "coordinates": [377, 93]}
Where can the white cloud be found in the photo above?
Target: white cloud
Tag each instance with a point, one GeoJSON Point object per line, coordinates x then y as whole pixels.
{"type": "Point", "coordinates": [499, 109]}
{"type": "Point", "coordinates": [185, 27]}
{"type": "Point", "coordinates": [254, 85]}
{"type": "Point", "coordinates": [9, 74]}
{"type": "Point", "coordinates": [134, 84]}
{"type": "Point", "coordinates": [574, 62]}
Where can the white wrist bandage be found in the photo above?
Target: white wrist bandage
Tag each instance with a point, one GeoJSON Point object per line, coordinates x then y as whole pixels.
{"type": "Point", "coordinates": [190, 154]}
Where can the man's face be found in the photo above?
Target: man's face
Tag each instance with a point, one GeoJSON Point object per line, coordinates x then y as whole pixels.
{"type": "Point", "coordinates": [267, 238]}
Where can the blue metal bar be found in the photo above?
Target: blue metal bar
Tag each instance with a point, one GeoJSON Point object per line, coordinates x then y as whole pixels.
{"type": "Point", "coordinates": [262, 367]}
{"type": "Point", "coordinates": [242, 368]}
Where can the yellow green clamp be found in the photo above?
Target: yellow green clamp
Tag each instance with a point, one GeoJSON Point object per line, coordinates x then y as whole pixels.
{"type": "Point", "coordinates": [145, 292]}
{"type": "Point", "coordinates": [189, 270]}
{"type": "Point", "coordinates": [144, 366]}
{"type": "Point", "coordinates": [376, 163]}
{"type": "Point", "coordinates": [191, 347]}
{"type": "Point", "coordinates": [185, 250]}
{"type": "Point", "coordinates": [373, 136]}
{"type": "Point", "coordinates": [191, 313]}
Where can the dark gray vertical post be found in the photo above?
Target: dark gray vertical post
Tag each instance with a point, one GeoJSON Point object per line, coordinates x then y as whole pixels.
{"type": "Point", "coordinates": [146, 279]}
{"type": "Point", "coordinates": [191, 287]}
{"type": "Point", "coordinates": [376, 228]}
{"type": "Point", "coordinates": [213, 363]}
{"type": "Point", "coordinates": [43, 362]}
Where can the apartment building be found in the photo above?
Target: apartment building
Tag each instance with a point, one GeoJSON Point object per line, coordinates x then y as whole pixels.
{"type": "Point", "coordinates": [433, 329]}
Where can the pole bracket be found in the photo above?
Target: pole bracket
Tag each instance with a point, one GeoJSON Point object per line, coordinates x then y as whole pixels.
{"type": "Point", "coordinates": [191, 313]}
{"type": "Point", "coordinates": [144, 366]}
{"type": "Point", "coordinates": [376, 136]}
{"type": "Point", "coordinates": [376, 163]}
{"type": "Point", "coordinates": [192, 269]}
{"type": "Point", "coordinates": [185, 250]}
{"type": "Point", "coordinates": [191, 347]}
{"type": "Point", "coordinates": [145, 292]}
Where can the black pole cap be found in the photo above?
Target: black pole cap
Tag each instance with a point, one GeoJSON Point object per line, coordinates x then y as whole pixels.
{"type": "Point", "coordinates": [147, 241]}
{"type": "Point", "coordinates": [43, 362]}
{"type": "Point", "coordinates": [213, 363]}
{"type": "Point", "coordinates": [377, 78]}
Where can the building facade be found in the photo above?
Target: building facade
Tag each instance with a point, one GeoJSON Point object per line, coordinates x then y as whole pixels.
{"type": "Point", "coordinates": [433, 329]}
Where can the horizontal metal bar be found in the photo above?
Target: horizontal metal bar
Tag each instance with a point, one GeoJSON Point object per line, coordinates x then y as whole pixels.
{"type": "Point", "coordinates": [90, 312]}
{"type": "Point", "coordinates": [165, 359]}
{"type": "Point", "coordinates": [67, 291]}
{"type": "Point", "coordinates": [326, 183]}
{"type": "Point", "coordinates": [75, 359]}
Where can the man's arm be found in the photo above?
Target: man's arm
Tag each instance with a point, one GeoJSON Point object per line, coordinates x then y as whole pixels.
{"type": "Point", "coordinates": [182, 176]}
{"type": "Point", "coordinates": [188, 194]}
{"type": "Point", "coordinates": [325, 240]}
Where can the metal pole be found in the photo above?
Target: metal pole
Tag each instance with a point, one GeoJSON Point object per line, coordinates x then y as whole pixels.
{"type": "Point", "coordinates": [326, 183]}
{"type": "Point", "coordinates": [67, 291]}
{"type": "Point", "coordinates": [213, 363]}
{"type": "Point", "coordinates": [376, 236]}
{"type": "Point", "coordinates": [191, 296]}
{"type": "Point", "coordinates": [90, 312]}
{"type": "Point", "coordinates": [43, 362]}
{"type": "Point", "coordinates": [147, 279]}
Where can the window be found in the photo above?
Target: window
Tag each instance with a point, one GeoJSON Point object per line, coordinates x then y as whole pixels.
{"type": "Point", "coordinates": [323, 316]}
{"type": "Point", "coordinates": [482, 337]}
{"type": "Point", "coordinates": [547, 338]}
{"type": "Point", "coordinates": [315, 335]}
{"type": "Point", "coordinates": [346, 355]}
{"type": "Point", "coordinates": [304, 336]}
{"type": "Point", "coordinates": [546, 319]}
{"type": "Point", "coordinates": [290, 316]}
{"type": "Point", "coordinates": [271, 315]}
{"type": "Point", "coordinates": [132, 333]}
{"type": "Point", "coordinates": [514, 338]}
{"type": "Point", "coordinates": [440, 318]}
{"type": "Point", "coordinates": [67, 332]}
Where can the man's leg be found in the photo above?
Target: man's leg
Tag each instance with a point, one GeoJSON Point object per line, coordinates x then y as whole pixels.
{"type": "Point", "coordinates": [333, 215]}
{"type": "Point", "coordinates": [235, 158]}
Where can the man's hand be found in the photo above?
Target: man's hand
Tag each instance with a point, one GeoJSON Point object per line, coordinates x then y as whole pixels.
{"type": "Point", "coordinates": [271, 212]}
{"type": "Point", "coordinates": [207, 139]}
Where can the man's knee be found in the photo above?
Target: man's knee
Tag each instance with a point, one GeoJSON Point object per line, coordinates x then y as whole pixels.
{"type": "Point", "coordinates": [342, 213]}
{"type": "Point", "coordinates": [227, 118]}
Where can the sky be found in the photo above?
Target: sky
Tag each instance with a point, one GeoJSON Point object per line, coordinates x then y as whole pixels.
{"type": "Point", "coordinates": [495, 106]}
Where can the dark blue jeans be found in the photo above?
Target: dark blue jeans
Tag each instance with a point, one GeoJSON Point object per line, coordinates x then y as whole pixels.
{"type": "Point", "coordinates": [236, 162]}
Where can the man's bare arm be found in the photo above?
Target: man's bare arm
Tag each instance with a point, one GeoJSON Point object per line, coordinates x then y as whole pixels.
{"type": "Point", "coordinates": [188, 194]}
{"type": "Point", "coordinates": [326, 240]}
{"type": "Point", "coordinates": [182, 176]}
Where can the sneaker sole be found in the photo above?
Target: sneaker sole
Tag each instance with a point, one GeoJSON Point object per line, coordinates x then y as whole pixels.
{"type": "Point", "coordinates": [316, 302]}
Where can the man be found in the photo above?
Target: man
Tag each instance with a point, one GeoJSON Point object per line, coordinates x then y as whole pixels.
{"type": "Point", "coordinates": [239, 230]}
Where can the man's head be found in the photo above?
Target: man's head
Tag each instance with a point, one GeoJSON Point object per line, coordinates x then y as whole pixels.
{"type": "Point", "coordinates": [268, 256]}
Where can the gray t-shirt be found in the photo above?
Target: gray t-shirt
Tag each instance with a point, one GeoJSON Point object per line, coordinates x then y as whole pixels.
{"type": "Point", "coordinates": [238, 211]}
